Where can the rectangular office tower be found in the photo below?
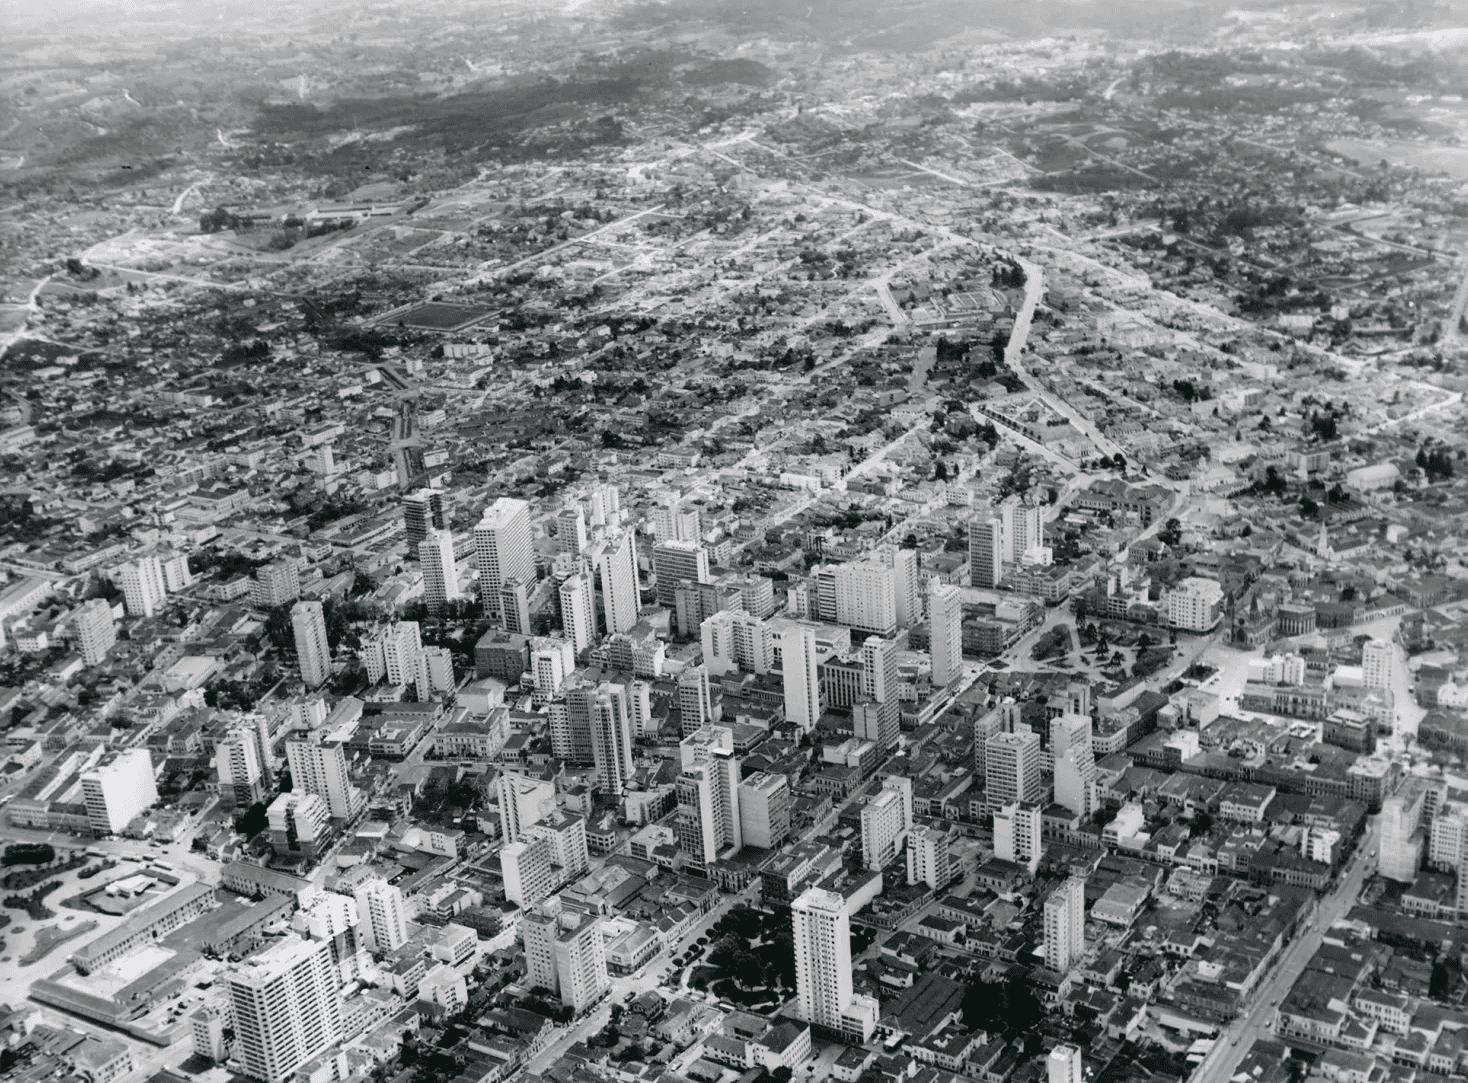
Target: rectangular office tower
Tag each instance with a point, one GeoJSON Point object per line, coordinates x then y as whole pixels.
{"type": "Point", "coordinates": [565, 954]}
{"type": "Point", "coordinates": [313, 649]}
{"type": "Point", "coordinates": [503, 544]}
{"type": "Point", "coordinates": [287, 1007]}
{"type": "Point", "coordinates": [422, 512]}
{"type": "Point", "coordinates": [823, 968]}
{"type": "Point", "coordinates": [986, 553]}
{"type": "Point", "coordinates": [440, 572]}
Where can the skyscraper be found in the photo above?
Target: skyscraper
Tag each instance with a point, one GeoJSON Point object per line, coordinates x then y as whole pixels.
{"type": "Point", "coordinates": [1065, 925]}
{"type": "Point", "coordinates": [565, 954]}
{"type": "Point", "coordinates": [708, 796]}
{"type": "Point", "coordinates": [879, 668]}
{"type": "Point", "coordinates": [1012, 768]}
{"type": "Point", "coordinates": [865, 597]}
{"type": "Point", "coordinates": [885, 821]}
{"type": "Point", "coordinates": [1023, 528]}
{"type": "Point", "coordinates": [1402, 835]}
{"type": "Point", "coordinates": [986, 552]}
{"type": "Point", "coordinates": [440, 572]}
{"type": "Point", "coordinates": [822, 929]}
{"type": "Point", "coordinates": [578, 611]}
{"type": "Point", "coordinates": [143, 587]}
{"type": "Point", "coordinates": [422, 512]}
{"type": "Point", "coordinates": [1377, 658]}
{"type": "Point", "coordinates": [383, 916]}
{"type": "Point", "coordinates": [287, 1007]}
{"type": "Point", "coordinates": [906, 586]}
{"type": "Point", "coordinates": [1064, 1064]}
{"type": "Point", "coordinates": [526, 868]}
{"type": "Point", "coordinates": [1075, 763]}
{"type": "Point", "coordinates": [515, 606]}
{"type": "Point", "coordinates": [611, 737]}
{"type": "Point", "coordinates": [801, 677]}
{"type": "Point", "coordinates": [503, 543]}
{"type": "Point", "coordinates": [571, 530]}
{"type": "Point", "coordinates": [927, 857]}
{"type": "Point", "coordinates": [675, 561]}
{"type": "Point", "coordinates": [764, 810]}
{"type": "Point", "coordinates": [735, 641]}
{"type": "Point", "coordinates": [117, 788]}
{"type": "Point", "coordinates": [96, 631]}
{"type": "Point", "coordinates": [313, 651]}
{"type": "Point", "coordinates": [945, 630]}
{"type": "Point", "coordinates": [240, 773]}
{"type": "Point", "coordinates": [695, 699]}
{"type": "Point", "coordinates": [319, 765]}
{"type": "Point", "coordinates": [523, 801]}
{"type": "Point", "coordinates": [614, 559]}
{"type": "Point", "coordinates": [1017, 835]}
{"type": "Point", "coordinates": [276, 583]}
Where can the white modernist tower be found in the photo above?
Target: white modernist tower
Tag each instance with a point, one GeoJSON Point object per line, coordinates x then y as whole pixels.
{"type": "Point", "coordinates": [802, 684]}
{"type": "Point", "coordinates": [313, 651]}
{"type": "Point", "coordinates": [440, 574]}
{"type": "Point", "coordinates": [1065, 925]}
{"type": "Point", "coordinates": [287, 1007]}
{"type": "Point", "coordinates": [502, 542]}
{"type": "Point", "coordinates": [823, 967]}
{"type": "Point", "coordinates": [143, 587]}
{"type": "Point", "coordinates": [945, 623]}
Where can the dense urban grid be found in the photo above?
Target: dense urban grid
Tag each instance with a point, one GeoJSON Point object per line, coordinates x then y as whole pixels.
{"type": "Point", "coordinates": [687, 543]}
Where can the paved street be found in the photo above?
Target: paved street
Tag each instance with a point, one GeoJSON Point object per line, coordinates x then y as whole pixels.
{"type": "Point", "coordinates": [1234, 1042]}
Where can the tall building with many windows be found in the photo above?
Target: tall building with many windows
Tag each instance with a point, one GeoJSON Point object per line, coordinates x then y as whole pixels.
{"type": "Point", "coordinates": [1065, 925]}
{"type": "Point", "coordinates": [1023, 528]}
{"type": "Point", "coordinates": [523, 801]}
{"type": "Point", "coordinates": [313, 650]}
{"type": "Point", "coordinates": [319, 765]}
{"type": "Point", "coordinates": [611, 737]}
{"type": "Point", "coordinates": [986, 553]}
{"type": "Point", "coordinates": [423, 510]}
{"type": "Point", "coordinates": [865, 597]}
{"type": "Point", "coordinates": [695, 699]}
{"type": "Point", "coordinates": [737, 641]}
{"type": "Point", "coordinates": [241, 778]}
{"type": "Point", "coordinates": [143, 588]}
{"type": "Point", "coordinates": [504, 546]}
{"type": "Point", "coordinates": [515, 606]}
{"type": "Point", "coordinates": [287, 1007]}
{"type": "Point", "coordinates": [96, 631]}
{"type": "Point", "coordinates": [885, 821]}
{"type": "Point", "coordinates": [1012, 768]}
{"type": "Point", "coordinates": [1063, 1065]}
{"type": "Point", "coordinates": [675, 561]}
{"type": "Point", "coordinates": [118, 788]}
{"type": "Point", "coordinates": [526, 869]}
{"type": "Point", "coordinates": [927, 857]}
{"type": "Point", "coordinates": [1377, 658]}
{"type": "Point", "coordinates": [383, 916]}
{"type": "Point", "coordinates": [945, 631]}
{"type": "Point", "coordinates": [708, 796]}
{"type": "Point", "coordinates": [822, 935]}
{"type": "Point", "coordinates": [440, 572]}
{"type": "Point", "coordinates": [907, 589]}
{"type": "Point", "coordinates": [578, 611]}
{"type": "Point", "coordinates": [764, 810]}
{"type": "Point", "coordinates": [801, 676]}
{"type": "Point", "coordinates": [614, 560]}
{"type": "Point", "coordinates": [1017, 835]}
{"type": "Point", "coordinates": [565, 954]}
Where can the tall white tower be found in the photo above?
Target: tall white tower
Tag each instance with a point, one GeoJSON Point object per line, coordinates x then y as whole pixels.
{"type": "Point", "coordinates": [287, 1007]}
{"type": "Point", "coordinates": [945, 623]}
{"type": "Point", "coordinates": [313, 651]}
{"type": "Point", "coordinates": [802, 683]}
{"type": "Point", "coordinates": [440, 575]}
{"type": "Point", "coordinates": [503, 543]}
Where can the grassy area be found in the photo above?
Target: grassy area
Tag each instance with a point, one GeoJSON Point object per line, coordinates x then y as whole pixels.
{"type": "Point", "coordinates": [47, 939]}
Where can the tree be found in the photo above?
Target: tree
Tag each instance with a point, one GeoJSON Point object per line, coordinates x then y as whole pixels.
{"type": "Point", "coordinates": [1171, 532]}
{"type": "Point", "coordinates": [1308, 508]}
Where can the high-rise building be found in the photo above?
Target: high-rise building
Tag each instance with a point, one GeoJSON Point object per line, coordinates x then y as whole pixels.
{"type": "Point", "coordinates": [737, 641]}
{"type": "Point", "coordinates": [675, 561]}
{"type": "Point", "coordinates": [440, 572]}
{"type": "Point", "coordinates": [578, 611]}
{"type": "Point", "coordinates": [1017, 835]}
{"type": "Point", "coordinates": [422, 511]}
{"type": "Point", "coordinates": [695, 699]}
{"type": "Point", "coordinates": [117, 788]}
{"type": "Point", "coordinates": [383, 916]}
{"type": "Point", "coordinates": [801, 676]}
{"type": "Point", "coordinates": [1403, 816]}
{"type": "Point", "coordinates": [986, 553]}
{"type": "Point", "coordinates": [927, 857]}
{"type": "Point", "coordinates": [865, 597]}
{"type": "Point", "coordinates": [287, 1007]}
{"type": "Point", "coordinates": [565, 954]}
{"type": "Point", "coordinates": [299, 823]}
{"type": "Point", "coordinates": [1195, 604]}
{"type": "Point", "coordinates": [1378, 656]}
{"type": "Point", "coordinates": [885, 822]}
{"type": "Point", "coordinates": [333, 918]}
{"type": "Point", "coordinates": [1065, 925]}
{"type": "Point", "coordinates": [611, 737]}
{"type": "Point", "coordinates": [396, 652]}
{"type": "Point", "coordinates": [1064, 1064]}
{"type": "Point", "coordinates": [603, 507]}
{"type": "Point", "coordinates": [276, 583]}
{"type": "Point", "coordinates": [319, 765]}
{"type": "Point", "coordinates": [504, 546]}
{"type": "Point", "coordinates": [1075, 763]}
{"type": "Point", "coordinates": [708, 796]}
{"type": "Point", "coordinates": [879, 668]}
{"type": "Point", "coordinates": [523, 801]}
{"type": "Point", "coordinates": [907, 589]}
{"type": "Point", "coordinates": [614, 559]}
{"type": "Point", "coordinates": [241, 778]}
{"type": "Point", "coordinates": [143, 588]}
{"type": "Point", "coordinates": [515, 606]}
{"type": "Point", "coordinates": [566, 836]}
{"type": "Point", "coordinates": [822, 935]}
{"type": "Point", "coordinates": [1012, 768]}
{"type": "Point", "coordinates": [526, 867]}
{"type": "Point", "coordinates": [176, 574]}
{"type": "Point", "coordinates": [96, 631]}
{"type": "Point", "coordinates": [764, 810]}
{"type": "Point", "coordinates": [313, 650]}
{"type": "Point", "coordinates": [945, 630]}
{"type": "Point", "coordinates": [1023, 528]}
{"type": "Point", "coordinates": [571, 530]}
{"type": "Point", "coordinates": [879, 723]}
